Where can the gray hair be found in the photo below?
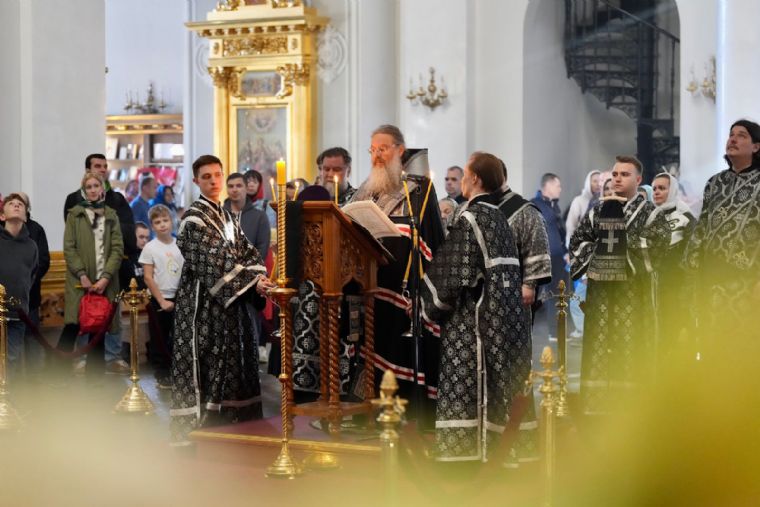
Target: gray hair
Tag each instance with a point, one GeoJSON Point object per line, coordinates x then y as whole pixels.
{"type": "Point", "coordinates": [392, 131]}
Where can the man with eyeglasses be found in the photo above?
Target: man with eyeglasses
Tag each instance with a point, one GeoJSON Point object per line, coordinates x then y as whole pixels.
{"type": "Point", "coordinates": [336, 163]}
{"type": "Point", "coordinates": [384, 186]}
{"type": "Point", "coordinates": [454, 183]}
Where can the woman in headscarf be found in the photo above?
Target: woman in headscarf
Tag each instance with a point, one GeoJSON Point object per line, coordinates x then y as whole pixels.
{"type": "Point", "coordinates": [254, 185]}
{"type": "Point", "coordinates": [165, 196]}
{"type": "Point", "coordinates": [93, 248]}
{"type": "Point", "coordinates": [671, 305]}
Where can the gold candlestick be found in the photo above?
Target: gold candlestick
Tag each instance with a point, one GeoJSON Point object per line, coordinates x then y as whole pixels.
{"type": "Point", "coordinates": [284, 465]}
{"type": "Point", "coordinates": [392, 409]}
{"type": "Point", "coordinates": [135, 399]}
{"type": "Point", "coordinates": [562, 304]}
{"type": "Point", "coordinates": [547, 391]}
{"type": "Point", "coordinates": [9, 419]}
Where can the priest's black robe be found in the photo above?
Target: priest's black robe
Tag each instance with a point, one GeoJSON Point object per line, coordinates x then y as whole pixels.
{"type": "Point", "coordinates": [618, 343]}
{"type": "Point", "coordinates": [473, 288]}
{"type": "Point", "coordinates": [215, 357]}
{"type": "Point", "coordinates": [723, 257]}
{"type": "Point", "coordinates": [393, 350]}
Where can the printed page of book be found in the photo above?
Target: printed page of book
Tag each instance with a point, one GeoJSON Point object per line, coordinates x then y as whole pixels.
{"type": "Point", "coordinates": [372, 218]}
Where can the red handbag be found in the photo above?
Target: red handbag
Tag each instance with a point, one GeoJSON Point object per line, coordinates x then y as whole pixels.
{"type": "Point", "coordinates": [94, 310]}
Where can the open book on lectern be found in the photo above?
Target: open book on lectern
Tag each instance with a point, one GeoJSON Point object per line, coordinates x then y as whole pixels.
{"type": "Point", "coordinates": [371, 217]}
{"type": "Point", "coordinates": [372, 223]}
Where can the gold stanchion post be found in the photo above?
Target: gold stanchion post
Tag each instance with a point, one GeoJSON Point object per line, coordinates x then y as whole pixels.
{"type": "Point", "coordinates": [9, 419]}
{"type": "Point", "coordinates": [284, 465]}
{"type": "Point", "coordinates": [562, 305]}
{"type": "Point", "coordinates": [547, 390]}
{"type": "Point", "coordinates": [392, 408]}
{"type": "Point", "coordinates": [135, 399]}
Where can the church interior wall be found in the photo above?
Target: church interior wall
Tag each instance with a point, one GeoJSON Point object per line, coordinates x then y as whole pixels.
{"type": "Point", "coordinates": [566, 132]}
{"type": "Point", "coordinates": [144, 44]}
{"type": "Point", "coordinates": [433, 33]}
{"type": "Point", "coordinates": [53, 56]}
{"type": "Point", "coordinates": [496, 110]}
{"type": "Point", "coordinates": [701, 149]}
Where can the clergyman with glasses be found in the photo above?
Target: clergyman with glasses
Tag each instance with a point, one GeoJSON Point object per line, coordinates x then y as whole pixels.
{"type": "Point", "coordinates": [385, 187]}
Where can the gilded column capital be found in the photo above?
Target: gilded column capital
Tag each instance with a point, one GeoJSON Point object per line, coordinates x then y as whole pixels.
{"type": "Point", "coordinates": [292, 74]}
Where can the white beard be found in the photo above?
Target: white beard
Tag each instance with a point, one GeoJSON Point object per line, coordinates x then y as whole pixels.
{"type": "Point", "coordinates": [385, 180]}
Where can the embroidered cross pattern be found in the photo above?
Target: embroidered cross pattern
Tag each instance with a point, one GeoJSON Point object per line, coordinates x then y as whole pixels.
{"type": "Point", "coordinates": [610, 241]}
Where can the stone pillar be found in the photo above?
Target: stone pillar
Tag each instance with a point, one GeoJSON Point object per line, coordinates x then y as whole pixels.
{"type": "Point", "coordinates": [53, 101]}
{"type": "Point", "coordinates": [738, 67]}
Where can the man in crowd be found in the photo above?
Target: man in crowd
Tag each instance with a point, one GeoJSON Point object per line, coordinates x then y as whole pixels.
{"type": "Point", "coordinates": [214, 360]}
{"type": "Point", "coordinates": [723, 255]}
{"type": "Point", "coordinates": [453, 181]}
{"type": "Point", "coordinates": [17, 272]}
{"type": "Point", "coordinates": [96, 163]}
{"type": "Point", "coordinates": [35, 354]}
{"type": "Point", "coordinates": [617, 244]}
{"type": "Point", "coordinates": [473, 289]}
{"type": "Point", "coordinates": [336, 163]}
{"type": "Point", "coordinates": [141, 204]}
{"type": "Point", "coordinates": [253, 221]}
{"type": "Point", "coordinates": [385, 188]}
{"type": "Point", "coordinates": [547, 201]}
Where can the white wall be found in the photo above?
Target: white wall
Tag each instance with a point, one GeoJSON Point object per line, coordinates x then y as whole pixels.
{"type": "Point", "coordinates": [495, 111]}
{"type": "Point", "coordinates": [701, 150]}
{"type": "Point", "coordinates": [53, 56]}
{"type": "Point", "coordinates": [566, 132]}
{"type": "Point", "coordinates": [145, 42]}
{"type": "Point", "coordinates": [434, 33]}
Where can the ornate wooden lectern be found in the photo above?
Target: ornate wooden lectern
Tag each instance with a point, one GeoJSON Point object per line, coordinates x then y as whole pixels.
{"type": "Point", "coordinates": [333, 253]}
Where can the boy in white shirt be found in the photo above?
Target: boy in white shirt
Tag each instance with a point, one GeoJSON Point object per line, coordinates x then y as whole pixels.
{"type": "Point", "coordinates": [162, 266]}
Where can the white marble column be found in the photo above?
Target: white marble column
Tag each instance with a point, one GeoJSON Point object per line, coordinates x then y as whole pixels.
{"type": "Point", "coordinates": [738, 64]}
{"type": "Point", "coordinates": [53, 101]}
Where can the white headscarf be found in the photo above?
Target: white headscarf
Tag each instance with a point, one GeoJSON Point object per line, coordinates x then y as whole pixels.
{"type": "Point", "coordinates": [677, 211]}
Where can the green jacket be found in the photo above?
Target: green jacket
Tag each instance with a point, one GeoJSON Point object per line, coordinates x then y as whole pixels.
{"type": "Point", "coordinates": [79, 252]}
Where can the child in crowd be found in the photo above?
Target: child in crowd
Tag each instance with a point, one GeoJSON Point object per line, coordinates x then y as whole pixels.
{"type": "Point", "coordinates": [162, 266]}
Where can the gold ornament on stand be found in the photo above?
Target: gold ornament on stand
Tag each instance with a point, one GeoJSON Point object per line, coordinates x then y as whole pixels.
{"type": "Point", "coordinates": [284, 465]}
{"type": "Point", "coordinates": [135, 399]}
{"type": "Point", "coordinates": [9, 419]}
{"type": "Point", "coordinates": [548, 410]}
{"type": "Point", "coordinates": [393, 408]}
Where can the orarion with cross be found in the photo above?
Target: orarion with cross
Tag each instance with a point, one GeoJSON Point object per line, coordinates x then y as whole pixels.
{"type": "Point", "coordinates": [610, 241]}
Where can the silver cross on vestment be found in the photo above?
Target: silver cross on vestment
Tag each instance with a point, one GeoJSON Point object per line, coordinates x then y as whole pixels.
{"type": "Point", "coordinates": [610, 241]}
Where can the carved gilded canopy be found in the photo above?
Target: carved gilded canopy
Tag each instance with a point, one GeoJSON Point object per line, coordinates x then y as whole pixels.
{"type": "Point", "coordinates": [262, 59]}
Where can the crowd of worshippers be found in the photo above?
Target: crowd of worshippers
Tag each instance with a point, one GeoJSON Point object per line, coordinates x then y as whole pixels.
{"type": "Point", "coordinates": [648, 275]}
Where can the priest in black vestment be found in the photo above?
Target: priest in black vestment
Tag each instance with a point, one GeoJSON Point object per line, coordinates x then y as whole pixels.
{"type": "Point", "coordinates": [384, 186]}
{"type": "Point", "coordinates": [723, 255]}
{"type": "Point", "coordinates": [215, 376]}
{"type": "Point", "coordinates": [617, 245]}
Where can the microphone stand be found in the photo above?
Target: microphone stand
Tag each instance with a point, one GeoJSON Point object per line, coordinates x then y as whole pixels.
{"type": "Point", "coordinates": [413, 286]}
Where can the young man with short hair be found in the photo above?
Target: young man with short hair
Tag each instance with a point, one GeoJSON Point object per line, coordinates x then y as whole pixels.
{"type": "Point", "coordinates": [453, 180]}
{"type": "Point", "coordinates": [162, 266]}
{"type": "Point", "coordinates": [214, 360]}
{"type": "Point", "coordinates": [17, 272]}
{"type": "Point", "coordinates": [253, 221]}
{"type": "Point", "coordinates": [617, 244]}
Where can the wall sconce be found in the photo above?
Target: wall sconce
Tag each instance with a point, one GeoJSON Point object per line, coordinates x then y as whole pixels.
{"type": "Point", "coordinates": [708, 85]}
{"type": "Point", "coordinates": [432, 97]}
